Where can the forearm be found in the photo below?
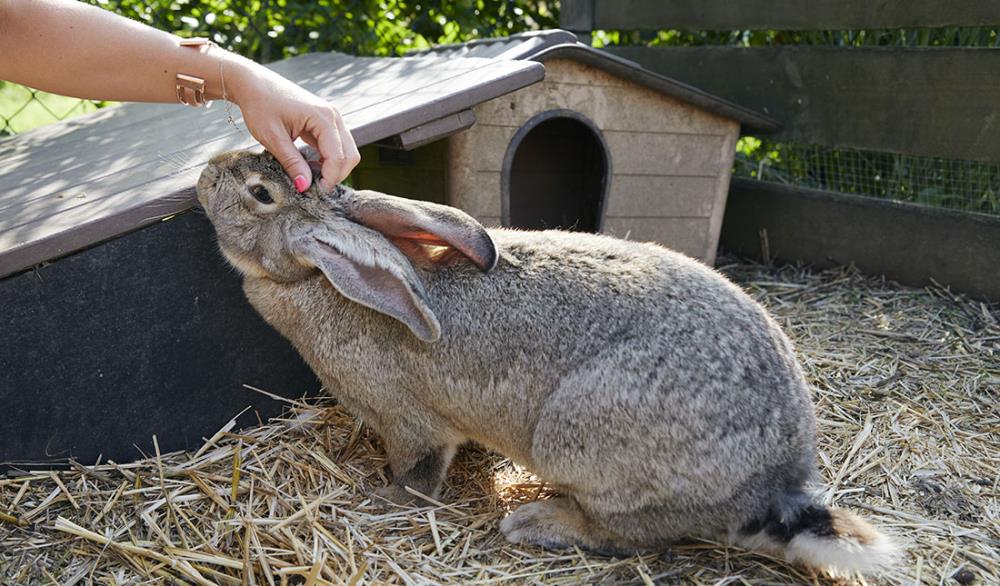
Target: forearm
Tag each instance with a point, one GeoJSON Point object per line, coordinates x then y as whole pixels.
{"type": "Point", "coordinates": [66, 47]}
{"type": "Point", "coordinates": [73, 49]}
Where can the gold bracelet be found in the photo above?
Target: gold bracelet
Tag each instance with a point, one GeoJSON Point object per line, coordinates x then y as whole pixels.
{"type": "Point", "coordinates": [191, 89]}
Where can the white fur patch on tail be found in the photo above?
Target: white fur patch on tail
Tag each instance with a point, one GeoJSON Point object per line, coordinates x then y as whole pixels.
{"type": "Point", "coordinates": [854, 547]}
{"type": "Point", "coordinates": [844, 553]}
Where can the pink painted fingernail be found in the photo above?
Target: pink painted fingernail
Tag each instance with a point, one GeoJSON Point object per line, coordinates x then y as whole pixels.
{"type": "Point", "coordinates": [301, 183]}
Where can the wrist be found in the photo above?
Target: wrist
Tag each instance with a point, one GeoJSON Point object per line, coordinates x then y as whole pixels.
{"type": "Point", "coordinates": [235, 75]}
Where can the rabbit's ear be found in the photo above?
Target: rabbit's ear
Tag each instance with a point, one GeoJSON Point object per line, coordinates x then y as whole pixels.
{"type": "Point", "coordinates": [423, 222]}
{"type": "Point", "coordinates": [373, 280]}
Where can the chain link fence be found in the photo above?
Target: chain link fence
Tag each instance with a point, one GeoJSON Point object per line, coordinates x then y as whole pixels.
{"type": "Point", "coordinates": [23, 108]}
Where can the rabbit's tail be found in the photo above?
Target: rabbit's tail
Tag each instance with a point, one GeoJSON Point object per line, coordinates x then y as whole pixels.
{"type": "Point", "coordinates": [803, 531]}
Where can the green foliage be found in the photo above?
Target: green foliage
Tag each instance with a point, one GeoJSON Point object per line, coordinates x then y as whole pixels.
{"type": "Point", "coordinates": [267, 30]}
{"type": "Point", "coordinates": [23, 108]}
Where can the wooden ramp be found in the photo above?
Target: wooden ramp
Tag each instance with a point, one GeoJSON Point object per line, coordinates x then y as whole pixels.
{"type": "Point", "coordinates": [117, 326]}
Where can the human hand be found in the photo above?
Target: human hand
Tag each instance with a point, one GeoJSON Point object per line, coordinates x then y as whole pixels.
{"type": "Point", "coordinates": [278, 111]}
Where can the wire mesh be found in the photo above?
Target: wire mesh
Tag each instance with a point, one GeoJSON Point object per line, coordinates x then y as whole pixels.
{"type": "Point", "coordinates": [950, 183]}
{"type": "Point", "coordinates": [22, 108]}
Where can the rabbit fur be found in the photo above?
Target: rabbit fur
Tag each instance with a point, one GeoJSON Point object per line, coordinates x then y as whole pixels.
{"type": "Point", "coordinates": [661, 401]}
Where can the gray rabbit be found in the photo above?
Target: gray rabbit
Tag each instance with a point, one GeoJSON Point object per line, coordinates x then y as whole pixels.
{"type": "Point", "coordinates": [660, 400]}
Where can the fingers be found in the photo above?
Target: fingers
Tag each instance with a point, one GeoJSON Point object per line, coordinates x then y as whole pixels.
{"type": "Point", "coordinates": [338, 151]}
{"type": "Point", "coordinates": [353, 157]}
{"type": "Point", "coordinates": [291, 160]}
{"type": "Point", "coordinates": [277, 112]}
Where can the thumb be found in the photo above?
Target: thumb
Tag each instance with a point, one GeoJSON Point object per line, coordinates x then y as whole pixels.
{"type": "Point", "coordinates": [294, 164]}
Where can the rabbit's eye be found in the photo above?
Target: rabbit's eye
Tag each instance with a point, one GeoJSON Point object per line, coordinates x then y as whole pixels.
{"type": "Point", "coordinates": [260, 193]}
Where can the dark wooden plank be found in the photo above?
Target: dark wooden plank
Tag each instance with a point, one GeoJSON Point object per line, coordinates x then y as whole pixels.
{"type": "Point", "coordinates": [908, 243]}
{"type": "Point", "coordinates": [785, 14]}
{"type": "Point", "coordinates": [145, 175]}
{"type": "Point", "coordinates": [436, 129]}
{"type": "Point", "coordinates": [577, 15]}
{"type": "Point", "coordinates": [147, 334]}
{"type": "Point", "coordinates": [929, 102]}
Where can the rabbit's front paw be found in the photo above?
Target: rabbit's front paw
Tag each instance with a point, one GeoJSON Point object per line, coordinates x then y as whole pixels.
{"type": "Point", "coordinates": [556, 523]}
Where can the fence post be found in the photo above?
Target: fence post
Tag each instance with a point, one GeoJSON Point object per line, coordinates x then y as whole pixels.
{"type": "Point", "coordinates": [578, 16]}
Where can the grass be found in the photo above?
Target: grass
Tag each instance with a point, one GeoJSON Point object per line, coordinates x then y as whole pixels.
{"type": "Point", "coordinates": [22, 108]}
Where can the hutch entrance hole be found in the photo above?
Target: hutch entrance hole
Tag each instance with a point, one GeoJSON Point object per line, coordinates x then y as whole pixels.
{"type": "Point", "coordinates": [556, 174]}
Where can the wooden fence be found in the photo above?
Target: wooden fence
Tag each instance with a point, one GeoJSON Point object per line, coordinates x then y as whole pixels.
{"type": "Point", "coordinates": [936, 102]}
{"type": "Point", "coordinates": [585, 15]}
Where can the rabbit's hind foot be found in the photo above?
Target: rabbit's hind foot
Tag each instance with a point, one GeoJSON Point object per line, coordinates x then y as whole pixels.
{"type": "Point", "coordinates": [557, 523]}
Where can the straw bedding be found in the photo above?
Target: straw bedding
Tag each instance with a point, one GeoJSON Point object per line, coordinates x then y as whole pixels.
{"type": "Point", "coordinates": [907, 383]}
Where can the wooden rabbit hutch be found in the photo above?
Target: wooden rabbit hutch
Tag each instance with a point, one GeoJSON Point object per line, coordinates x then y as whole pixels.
{"type": "Point", "coordinates": [600, 145]}
{"type": "Point", "coordinates": [122, 321]}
